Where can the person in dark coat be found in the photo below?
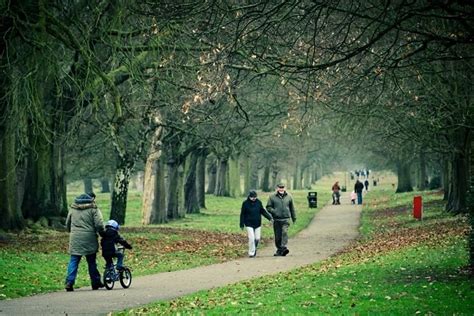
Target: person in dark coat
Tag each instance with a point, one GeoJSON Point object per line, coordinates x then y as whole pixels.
{"type": "Point", "coordinates": [251, 217]}
{"type": "Point", "coordinates": [358, 188]}
{"type": "Point", "coordinates": [84, 222]}
{"type": "Point", "coordinates": [280, 205]}
{"type": "Point", "coordinates": [110, 238]}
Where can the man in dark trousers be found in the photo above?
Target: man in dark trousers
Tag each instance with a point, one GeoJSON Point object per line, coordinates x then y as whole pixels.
{"type": "Point", "coordinates": [280, 206]}
{"type": "Point", "coordinates": [358, 188]}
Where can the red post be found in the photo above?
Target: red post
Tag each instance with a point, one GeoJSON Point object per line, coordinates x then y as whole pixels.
{"type": "Point", "coordinates": [417, 207]}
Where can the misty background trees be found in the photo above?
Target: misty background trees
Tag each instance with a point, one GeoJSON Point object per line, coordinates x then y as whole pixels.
{"type": "Point", "coordinates": [199, 95]}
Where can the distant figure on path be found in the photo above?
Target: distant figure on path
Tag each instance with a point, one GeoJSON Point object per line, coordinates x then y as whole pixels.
{"type": "Point", "coordinates": [280, 205]}
{"type": "Point", "coordinates": [353, 197]}
{"type": "Point", "coordinates": [358, 188]}
{"type": "Point", "coordinates": [335, 193]}
{"type": "Point", "coordinates": [84, 222]}
{"type": "Point", "coordinates": [251, 217]}
{"type": "Point", "coordinates": [366, 184]}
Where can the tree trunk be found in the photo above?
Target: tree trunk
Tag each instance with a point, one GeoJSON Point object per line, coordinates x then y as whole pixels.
{"type": "Point", "coordinates": [253, 184]}
{"type": "Point", "coordinates": [422, 178]}
{"type": "Point", "coordinates": [470, 202]}
{"type": "Point", "coordinates": [119, 195]}
{"type": "Point", "coordinates": [246, 172]}
{"type": "Point", "coordinates": [139, 181]}
{"type": "Point", "coordinates": [266, 178]}
{"type": "Point", "coordinates": [275, 174]}
{"type": "Point", "coordinates": [212, 177]}
{"type": "Point", "coordinates": [10, 207]}
{"type": "Point", "coordinates": [191, 203]}
{"type": "Point", "coordinates": [234, 178]}
{"type": "Point", "coordinates": [307, 178]}
{"type": "Point", "coordinates": [314, 171]}
{"type": "Point", "coordinates": [289, 180]}
{"type": "Point", "coordinates": [45, 186]}
{"type": "Point", "coordinates": [201, 178]}
{"type": "Point", "coordinates": [181, 209]}
{"type": "Point", "coordinates": [222, 178]}
{"type": "Point", "coordinates": [404, 177]}
{"type": "Point", "coordinates": [459, 181]}
{"type": "Point", "coordinates": [88, 185]}
{"type": "Point", "coordinates": [154, 192]}
{"type": "Point", "coordinates": [172, 206]}
{"type": "Point", "coordinates": [105, 185]}
{"type": "Point", "coordinates": [297, 178]}
{"type": "Point", "coordinates": [445, 178]}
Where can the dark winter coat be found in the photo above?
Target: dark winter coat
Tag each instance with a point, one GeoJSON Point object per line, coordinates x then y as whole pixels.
{"type": "Point", "coordinates": [281, 206]}
{"type": "Point", "coordinates": [358, 187]}
{"type": "Point", "coordinates": [109, 238]}
{"type": "Point", "coordinates": [251, 213]}
{"type": "Point", "coordinates": [84, 221]}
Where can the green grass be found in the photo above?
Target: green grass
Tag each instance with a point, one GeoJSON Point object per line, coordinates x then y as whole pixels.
{"type": "Point", "coordinates": [401, 266]}
{"type": "Point", "coordinates": [37, 263]}
{"type": "Point", "coordinates": [421, 280]}
{"type": "Point", "coordinates": [401, 206]}
{"type": "Point", "coordinates": [35, 260]}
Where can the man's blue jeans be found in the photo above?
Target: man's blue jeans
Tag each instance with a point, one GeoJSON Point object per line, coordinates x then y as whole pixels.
{"type": "Point", "coordinates": [74, 265]}
{"type": "Point", "coordinates": [359, 197]}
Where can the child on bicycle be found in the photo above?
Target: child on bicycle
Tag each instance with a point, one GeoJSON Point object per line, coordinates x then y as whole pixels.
{"type": "Point", "coordinates": [111, 237]}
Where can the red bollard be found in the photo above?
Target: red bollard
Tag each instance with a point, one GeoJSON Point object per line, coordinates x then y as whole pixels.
{"type": "Point", "coordinates": [417, 207]}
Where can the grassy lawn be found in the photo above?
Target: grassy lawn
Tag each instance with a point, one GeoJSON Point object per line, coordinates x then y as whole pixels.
{"type": "Point", "coordinates": [35, 260]}
{"type": "Point", "coordinates": [400, 266]}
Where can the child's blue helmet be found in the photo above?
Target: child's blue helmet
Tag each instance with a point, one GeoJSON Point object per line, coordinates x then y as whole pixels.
{"type": "Point", "coordinates": [113, 224]}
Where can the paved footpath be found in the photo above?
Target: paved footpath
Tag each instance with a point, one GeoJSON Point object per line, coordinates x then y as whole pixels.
{"type": "Point", "coordinates": [334, 227]}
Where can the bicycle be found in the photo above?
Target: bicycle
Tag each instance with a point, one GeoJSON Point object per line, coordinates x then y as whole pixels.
{"type": "Point", "coordinates": [112, 275]}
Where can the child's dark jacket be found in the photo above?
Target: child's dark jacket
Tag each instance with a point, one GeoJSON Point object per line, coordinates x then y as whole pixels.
{"type": "Point", "coordinates": [109, 238]}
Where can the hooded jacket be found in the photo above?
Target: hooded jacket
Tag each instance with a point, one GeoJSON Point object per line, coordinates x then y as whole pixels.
{"type": "Point", "coordinates": [251, 213]}
{"type": "Point", "coordinates": [109, 238]}
{"type": "Point", "coordinates": [84, 222]}
{"type": "Point", "coordinates": [281, 206]}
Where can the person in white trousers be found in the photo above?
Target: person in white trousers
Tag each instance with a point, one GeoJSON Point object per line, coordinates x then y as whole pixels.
{"type": "Point", "coordinates": [251, 218]}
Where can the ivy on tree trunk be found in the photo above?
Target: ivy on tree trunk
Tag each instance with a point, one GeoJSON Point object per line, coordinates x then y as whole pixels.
{"type": "Point", "coordinates": [119, 195]}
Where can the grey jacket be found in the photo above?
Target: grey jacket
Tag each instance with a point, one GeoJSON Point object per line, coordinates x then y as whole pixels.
{"type": "Point", "coordinates": [84, 221]}
{"type": "Point", "coordinates": [281, 207]}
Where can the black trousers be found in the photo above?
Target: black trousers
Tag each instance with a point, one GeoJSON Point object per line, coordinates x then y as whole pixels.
{"type": "Point", "coordinates": [280, 230]}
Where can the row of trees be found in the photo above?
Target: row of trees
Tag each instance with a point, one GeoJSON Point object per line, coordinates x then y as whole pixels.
{"type": "Point", "coordinates": [167, 85]}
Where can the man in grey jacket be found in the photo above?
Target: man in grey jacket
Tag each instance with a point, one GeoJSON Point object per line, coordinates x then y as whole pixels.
{"type": "Point", "coordinates": [84, 222]}
{"type": "Point", "coordinates": [280, 205]}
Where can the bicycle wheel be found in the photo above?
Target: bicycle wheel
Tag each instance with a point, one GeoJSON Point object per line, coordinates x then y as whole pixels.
{"type": "Point", "coordinates": [125, 277]}
{"type": "Point", "coordinates": [109, 279]}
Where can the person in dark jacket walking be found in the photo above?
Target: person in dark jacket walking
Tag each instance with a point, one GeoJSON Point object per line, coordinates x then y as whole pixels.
{"type": "Point", "coordinates": [84, 221]}
{"type": "Point", "coordinates": [251, 217]}
{"type": "Point", "coordinates": [280, 205]}
{"type": "Point", "coordinates": [110, 238]}
{"type": "Point", "coordinates": [358, 188]}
